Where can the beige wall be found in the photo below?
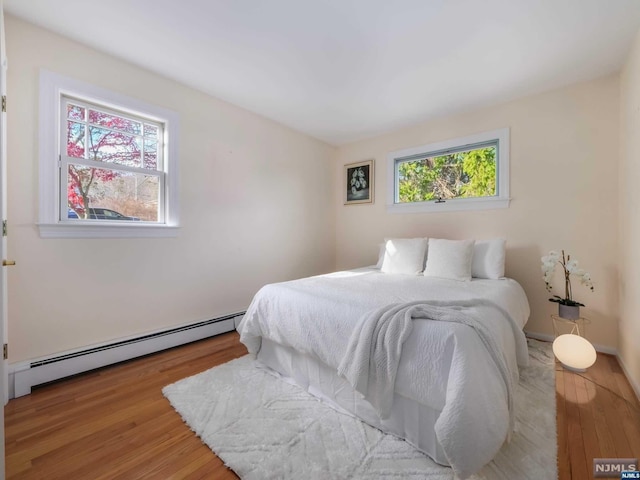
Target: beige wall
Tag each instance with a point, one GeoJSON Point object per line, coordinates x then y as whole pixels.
{"type": "Point", "coordinates": [256, 207]}
{"type": "Point", "coordinates": [564, 173]}
{"type": "Point", "coordinates": [629, 259]}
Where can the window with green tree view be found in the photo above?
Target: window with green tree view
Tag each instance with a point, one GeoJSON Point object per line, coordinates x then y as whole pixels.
{"type": "Point", "coordinates": [465, 173]}
{"type": "Point", "coordinates": [450, 174]}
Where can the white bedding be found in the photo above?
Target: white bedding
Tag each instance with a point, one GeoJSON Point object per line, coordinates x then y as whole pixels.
{"type": "Point", "coordinates": [441, 365]}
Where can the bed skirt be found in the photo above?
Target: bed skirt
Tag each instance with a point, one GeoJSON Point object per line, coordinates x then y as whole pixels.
{"type": "Point", "coordinates": [410, 420]}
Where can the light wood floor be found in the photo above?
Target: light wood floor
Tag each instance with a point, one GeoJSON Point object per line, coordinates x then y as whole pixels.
{"type": "Point", "coordinates": [115, 424]}
{"type": "Point", "coordinates": [598, 416]}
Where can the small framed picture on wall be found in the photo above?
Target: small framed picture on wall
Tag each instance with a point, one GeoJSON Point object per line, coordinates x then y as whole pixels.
{"type": "Point", "coordinates": [358, 183]}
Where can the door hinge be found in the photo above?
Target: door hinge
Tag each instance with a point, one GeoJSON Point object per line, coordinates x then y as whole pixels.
{"type": "Point", "coordinates": [4, 103]}
{"type": "Point", "coordinates": [4, 228]}
{"type": "Point", "coordinates": [5, 351]}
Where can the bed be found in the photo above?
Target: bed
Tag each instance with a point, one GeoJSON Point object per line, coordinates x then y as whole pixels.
{"type": "Point", "coordinates": [449, 398]}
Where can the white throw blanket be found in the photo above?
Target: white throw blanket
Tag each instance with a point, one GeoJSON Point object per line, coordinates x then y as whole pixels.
{"type": "Point", "coordinates": [373, 355]}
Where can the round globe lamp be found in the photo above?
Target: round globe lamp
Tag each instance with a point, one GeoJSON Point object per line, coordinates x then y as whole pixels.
{"type": "Point", "coordinates": [574, 352]}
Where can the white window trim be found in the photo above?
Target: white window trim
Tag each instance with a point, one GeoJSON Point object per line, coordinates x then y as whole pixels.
{"type": "Point", "coordinates": [459, 204]}
{"type": "Point", "coordinates": [52, 87]}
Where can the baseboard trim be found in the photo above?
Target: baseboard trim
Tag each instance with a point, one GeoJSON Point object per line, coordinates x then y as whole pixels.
{"type": "Point", "coordinates": [539, 336]}
{"type": "Point", "coordinates": [634, 385]}
{"type": "Point", "coordinates": [27, 374]}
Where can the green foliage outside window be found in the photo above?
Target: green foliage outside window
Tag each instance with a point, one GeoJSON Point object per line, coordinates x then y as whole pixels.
{"type": "Point", "coordinates": [457, 175]}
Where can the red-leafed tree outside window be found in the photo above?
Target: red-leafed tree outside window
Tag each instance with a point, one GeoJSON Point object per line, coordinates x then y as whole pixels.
{"type": "Point", "coordinates": [112, 164]}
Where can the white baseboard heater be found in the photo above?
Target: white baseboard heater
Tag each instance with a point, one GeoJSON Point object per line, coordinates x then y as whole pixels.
{"type": "Point", "coordinates": [25, 375]}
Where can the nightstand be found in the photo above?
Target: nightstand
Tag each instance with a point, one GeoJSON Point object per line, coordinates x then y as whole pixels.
{"type": "Point", "coordinates": [564, 325]}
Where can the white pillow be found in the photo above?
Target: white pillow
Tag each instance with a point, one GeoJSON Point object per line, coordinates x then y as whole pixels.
{"type": "Point", "coordinates": [404, 255]}
{"type": "Point", "coordinates": [488, 258]}
{"type": "Point", "coordinates": [449, 259]}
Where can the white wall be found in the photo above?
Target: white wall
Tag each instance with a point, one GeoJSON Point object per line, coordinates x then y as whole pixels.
{"type": "Point", "coordinates": [629, 259]}
{"type": "Point", "coordinates": [564, 174]}
{"type": "Point", "coordinates": [256, 207]}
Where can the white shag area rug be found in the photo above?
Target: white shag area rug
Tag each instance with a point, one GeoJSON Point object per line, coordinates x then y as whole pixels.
{"type": "Point", "coordinates": [265, 428]}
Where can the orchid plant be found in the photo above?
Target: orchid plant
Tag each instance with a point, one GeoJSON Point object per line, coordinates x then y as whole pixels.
{"type": "Point", "coordinates": [570, 267]}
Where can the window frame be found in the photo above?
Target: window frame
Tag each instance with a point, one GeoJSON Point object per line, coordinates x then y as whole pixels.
{"type": "Point", "coordinates": [66, 160]}
{"type": "Point", "coordinates": [51, 222]}
{"type": "Point", "coordinates": [501, 200]}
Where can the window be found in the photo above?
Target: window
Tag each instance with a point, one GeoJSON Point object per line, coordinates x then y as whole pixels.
{"type": "Point", "coordinates": [108, 168]}
{"type": "Point", "coordinates": [460, 174]}
{"type": "Point", "coordinates": [110, 159]}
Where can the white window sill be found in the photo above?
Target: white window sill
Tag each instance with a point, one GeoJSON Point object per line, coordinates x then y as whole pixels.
{"type": "Point", "coordinates": [68, 230]}
{"type": "Point", "coordinates": [450, 205]}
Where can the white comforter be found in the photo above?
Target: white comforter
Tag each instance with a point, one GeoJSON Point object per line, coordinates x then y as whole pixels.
{"type": "Point", "coordinates": [442, 365]}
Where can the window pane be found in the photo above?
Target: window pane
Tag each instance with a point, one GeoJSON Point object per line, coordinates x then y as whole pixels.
{"type": "Point", "coordinates": [75, 112]}
{"type": "Point", "coordinates": [75, 139]}
{"type": "Point", "coordinates": [104, 194]}
{"type": "Point", "coordinates": [150, 131]}
{"type": "Point", "coordinates": [150, 154]}
{"type": "Point", "coordinates": [466, 174]}
{"type": "Point", "coordinates": [115, 122]}
{"type": "Point", "coordinates": [114, 147]}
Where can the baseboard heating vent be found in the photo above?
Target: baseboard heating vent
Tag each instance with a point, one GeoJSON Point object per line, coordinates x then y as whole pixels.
{"type": "Point", "coordinates": [25, 375]}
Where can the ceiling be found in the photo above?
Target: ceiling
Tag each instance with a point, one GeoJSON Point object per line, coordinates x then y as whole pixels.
{"type": "Point", "coordinates": [343, 70]}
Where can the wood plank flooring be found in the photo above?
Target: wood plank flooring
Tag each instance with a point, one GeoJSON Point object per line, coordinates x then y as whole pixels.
{"type": "Point", "coordinates": [598, 416]}
{"type": "Point", "coordinates": [114, 423]}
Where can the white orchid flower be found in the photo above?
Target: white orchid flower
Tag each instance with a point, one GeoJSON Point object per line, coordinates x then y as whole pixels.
{"type": "Point", "coordinates": [586, 280]}
{"type": "Point", "coordinates": [549, 261]}
{"type": "Point", "coordinates": [572, 266]}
